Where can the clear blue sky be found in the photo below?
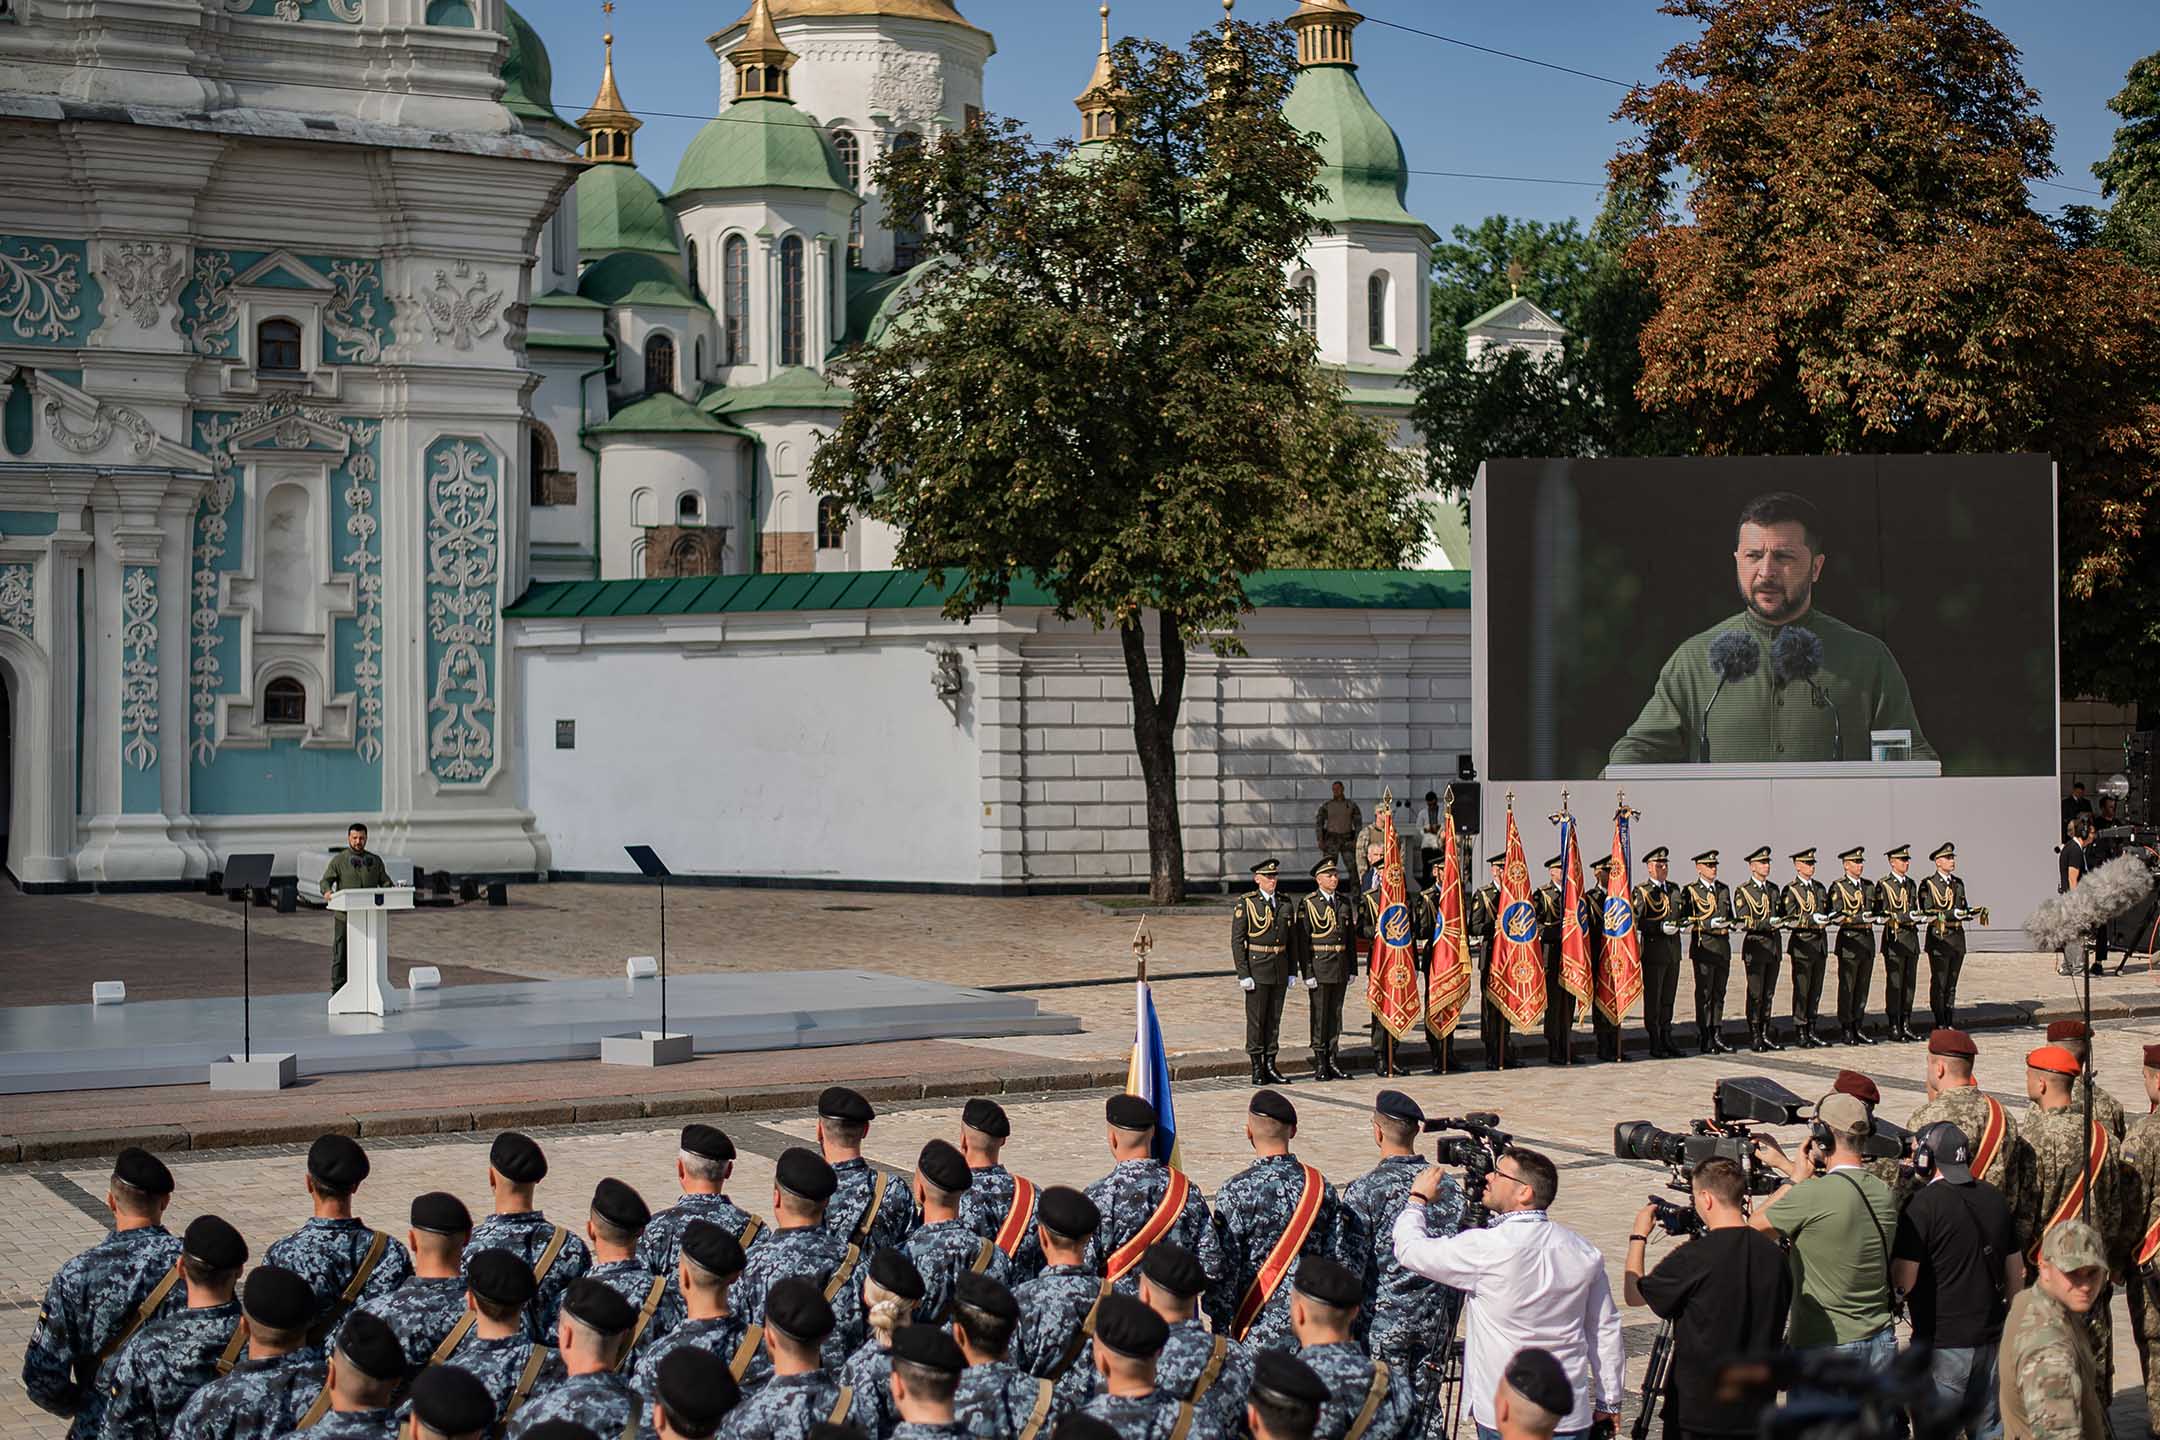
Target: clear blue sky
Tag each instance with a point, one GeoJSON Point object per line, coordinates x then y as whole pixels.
{"type": "Point", "coordinates": [1457, 109]}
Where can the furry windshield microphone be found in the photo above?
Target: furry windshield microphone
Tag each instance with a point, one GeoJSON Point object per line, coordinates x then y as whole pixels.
{"type": "Point", "coordinates": [1796, 654]}
{"type": "Point", "coordinates": [2109, 890]}
{"type": "Point", "coordinates": [1734, 655]}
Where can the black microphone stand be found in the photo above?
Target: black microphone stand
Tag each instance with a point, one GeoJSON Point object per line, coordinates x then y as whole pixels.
{"type": "Point", "coordinates": [1702, 728]}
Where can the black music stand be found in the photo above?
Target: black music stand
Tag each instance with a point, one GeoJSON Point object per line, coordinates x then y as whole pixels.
{"type": "Point", "coordinates": [649, 1047]}
{"type": "Point", "coordinates": [247, 1071]}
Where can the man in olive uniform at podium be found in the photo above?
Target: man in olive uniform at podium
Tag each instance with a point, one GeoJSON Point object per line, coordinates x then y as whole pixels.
{"type": "Point", "coordinates": [354, 868]}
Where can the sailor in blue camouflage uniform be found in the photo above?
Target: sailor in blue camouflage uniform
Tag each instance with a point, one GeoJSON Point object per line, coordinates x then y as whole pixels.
{"type": "Point", "coordinates": [1286, 1398]}
{"type": "Point", "coordinates": [870, 1210]}
{"type": "Point", "coordinates": [1056, 1305]}
{"type": "Point", "coordinates": [452, 1403]}
{"type": "Point", "coordinates": [1324, 1303]}
{"type": "Point", "coordinates": [801, 1393]}
{"type": "Point", "coordinates": [1128, 1338]}
{"type": "Point", "coordinates": [426, 1308]}
{"type": "Point", "coordinates": [693, 1392]}
{"type": "Point", "coordinates": [945, 1244]}
{"type": "Point", "coordinates": [617, 1219]}
{"type": "Point", "coordinates": [892, 1296]}
{"type": "Point", "coordinates": [995, 1401]}
{"type": "Point", "coordinates": [1129, 1196]}
{"type": "Point", "coordinates": [151, 1379]}
{"type": "Point", "coordinates": [799, 1244]}
{"type": "Point", "coordinates": [335, 1246]}
{"type": "Point", "coordinates": [495, 1350]}
{"type": "Point", "coordinates": [926, 1366]}
{"type": "Point", "coordinates": [1210, 1372]}
{"type": "Point", "coordinates": [367, 1365]}
{"type": "Point", "coordinates": [984, 1129]}
{"type": "Point", "coordinates": [707, 1262]}
{"type": "Point", "coordinates": [281, 1376]}
{"type": "Point", "coordinates": [590, 1338]}
{"type": "Point", "coordinates": [704, 1160]}
{"type": "Point", "coordinates": [1403, 1313]}
{"type": "Point", "coordinates": [1253, 1210]}
{"type": "Point", "coordinates": [516, 1166]}
{"type": "Point", "coordinates": [102, 1296]}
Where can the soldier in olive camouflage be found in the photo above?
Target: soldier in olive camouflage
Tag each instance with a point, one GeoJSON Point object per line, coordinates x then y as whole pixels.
{"type": "Point", "coordinates": [2057, 1134]}
{"type": "Point", "coordinates": [1404, 1314]}
{"type": "Point", "coordinates": [2141, 1174]}
{"type": "Point", "coordinates": [155, 1374]}
{"type": "Point", "coordinates": [2053, 1387]}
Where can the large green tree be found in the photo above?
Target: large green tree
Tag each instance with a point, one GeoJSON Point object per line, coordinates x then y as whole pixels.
{"type": "Point", "coordinates": [1102, 386]}
{"type": "Point", "coordinates": [2130, 172]}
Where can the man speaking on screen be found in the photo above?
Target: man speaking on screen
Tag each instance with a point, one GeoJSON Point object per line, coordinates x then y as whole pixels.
{"type": "Point", "coordinates": [1780, 682]}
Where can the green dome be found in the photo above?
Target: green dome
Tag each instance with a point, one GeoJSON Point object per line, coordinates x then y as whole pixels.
{"type": "Point", "coordinates": [632, 279]}
{"type": "Point", "coordinates": [1361, 159]}
{"type": "Point", "coordinates": [761, 144]}
{"type": "Point", "coordinates": [618, 209]}
{"type": "Point", "coordinates": [527, 74]}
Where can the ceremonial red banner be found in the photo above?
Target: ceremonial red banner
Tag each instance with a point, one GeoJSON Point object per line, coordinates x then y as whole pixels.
{"type": "Point", "coordinates": [1991, 1136]}
{"type": "Point", "coordinates": [1447, 981]}
{"type": "Point", "coordinates": [1284, 1255]}
{"type": "Point", "coordinates": [1619, 976]}
{"type": "Point", "coordinates": [1575, 977]}
{"type": "Point", "coordinates": [1516, 985]}
{"type": "Point", "coordinates": [1391, 986]}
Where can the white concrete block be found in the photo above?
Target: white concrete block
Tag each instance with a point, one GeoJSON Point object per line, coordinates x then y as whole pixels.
{"type": "Point", "coordinates": [640, 967]}
{"type": "Point", "coordinates": [108, 992]}
{"type": "Point", "coordinates": [423, 977]}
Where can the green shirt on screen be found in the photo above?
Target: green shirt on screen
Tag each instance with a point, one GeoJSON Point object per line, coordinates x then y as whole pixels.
{"type": "Point", "coordinates": [1840, 1226]}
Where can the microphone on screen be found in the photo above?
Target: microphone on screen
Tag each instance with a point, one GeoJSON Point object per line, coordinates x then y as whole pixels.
{"type": "Point", "coordinates": [1734, 655]}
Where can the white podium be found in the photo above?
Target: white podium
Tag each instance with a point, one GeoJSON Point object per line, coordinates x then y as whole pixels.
{"type": "Point", "coordinates": [366, 990]}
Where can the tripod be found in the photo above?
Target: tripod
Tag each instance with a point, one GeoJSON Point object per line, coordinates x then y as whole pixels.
{"type": "Point", "coordinates": [1446, 1359]}
{"type": "Point", "coordinates": [1654, 1376]}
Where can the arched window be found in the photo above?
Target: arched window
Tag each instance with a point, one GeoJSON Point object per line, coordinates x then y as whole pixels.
{"type": "Point", "coordinates": [659, 364]}
{"type": "Point", "coordinates": [698, 373]}
{"type": "Point", "coordinates": [540, 462]}
{"type": "Point", "coordinates": [697, 281]}
{"type": "Point", "coordinates": [689, 508]}
{"type": "Point", "coordinates": [791, 300]}
{"type": "Point", "coordinates": [907, 234]}
{"type": "Point", "coordinates": [854, 238]}
{"type": "Point", "coordinates": [850, 151]}
{"type": "Point", "coordinates": [1377, 328]}
{"type": "Point", "coordinates": [735, 301]}
{"type": "Point", "coordinates": [277, 346]}
{"type": "Point", "coordinates": [644, 510]}
{"type": "Point", "coordinates": [831, 523]}
{"type": "Point", "coordinates": [1305, 295]}
{"type": "Point", "coordinates": [284, 702]}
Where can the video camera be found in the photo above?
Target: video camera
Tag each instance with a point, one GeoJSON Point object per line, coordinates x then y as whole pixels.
{"type": "Point", "coordinates": [1674, 1218]}
{"type": "Point", "coordinates": [1736, 1104]}
{"type": "Point", "coordinates": [1475, 1148]}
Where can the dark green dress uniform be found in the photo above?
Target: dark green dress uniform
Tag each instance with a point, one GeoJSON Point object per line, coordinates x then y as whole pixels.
{"type": "Point", "coordinates": [347, 871]}
{"type": "Point", "coordinates": [1326, 939]}
{"type": "Point", "coordinates": [1853, 899]}
{"type": "Point", "coordinates": [1808, 949]}
{"type": "Point", "coordinates": [1657, 905]}
{"type": "Point", "coordinates": [1559, 1004]}
{"type": "Point", "coordinates": [1943, 898]}
{"type": "Point", "coordinates": [1708, 913]}
{"type": "Point", "coordinates": [1898, 900]}
{"type": "Point", "coordinates": [1260, 934]}
{"type": "Point", "coordinates": [1762, 951]}
{"type": "Point", "coordinates": [1483, 922]}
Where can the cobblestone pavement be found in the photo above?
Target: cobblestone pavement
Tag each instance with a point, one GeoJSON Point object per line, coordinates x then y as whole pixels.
{"type": "Point", "coordinates": [53, 1209]}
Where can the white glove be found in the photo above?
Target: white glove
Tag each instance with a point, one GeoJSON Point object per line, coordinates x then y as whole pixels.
{"type": "Point", "coordinates": [1246, 983]}
{"type": "Point", "coordinates": [1312, 982]}
{"type": "Point", "coordinates": [1669, 928]}
{"type": "Point", "coordinates": [1822, 919]}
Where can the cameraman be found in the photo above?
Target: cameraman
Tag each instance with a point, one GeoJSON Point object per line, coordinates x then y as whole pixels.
{"type": "Point", "coordinates": [1839, 1223]}
{"type": "Point", "coordinates": [1529, 1284]}
{"type": "Point", "coordinates": [1726, 1293]}
{"type": "Point", "coordinates": [1956, 1261]}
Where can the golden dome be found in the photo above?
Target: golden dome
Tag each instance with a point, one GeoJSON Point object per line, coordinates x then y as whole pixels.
{"type": "Point", "coordinates": [944, 10]}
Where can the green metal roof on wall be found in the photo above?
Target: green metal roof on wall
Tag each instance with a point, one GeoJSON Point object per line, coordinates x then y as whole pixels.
{"type": "Point", "coordinates": [911, 590]}
{"type": "Point", "coordinates": [634, 279]}
{"type": "Point", "coordinates": [795, 388]}
{"type": "Point", "coordinates": [1361, 157]}
{"type": "Point", "coordinates": [619, 209]}
{"type": "Point", "coordinates": [761, 143]}
{"type": "Point", "coordinates": [663, 413]}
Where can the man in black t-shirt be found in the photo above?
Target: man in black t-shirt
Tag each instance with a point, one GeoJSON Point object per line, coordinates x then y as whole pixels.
{"type": "Point", "coordinates": [1956, 1261]}
{"type": "Point", "coordinates": [1726, 1293]}
{"type": "Point", "coordinates": [2071, 863]}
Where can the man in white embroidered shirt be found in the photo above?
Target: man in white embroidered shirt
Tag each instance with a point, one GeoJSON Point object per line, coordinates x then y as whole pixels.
{"type": "Point", "coordinates": [1529, 1283]}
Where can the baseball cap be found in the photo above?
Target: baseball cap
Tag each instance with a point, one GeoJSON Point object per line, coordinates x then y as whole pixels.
{"type": "Point", "coordinates": [2073, 1245]}
{"type": "Point", "coordinates": [1952, 1151]}
{"type": "Point", "coordinates": [1844, 1114]}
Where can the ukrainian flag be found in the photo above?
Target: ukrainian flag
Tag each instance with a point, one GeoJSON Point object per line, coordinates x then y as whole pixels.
{"type": "Point", "coordinates": [1148, 1076]}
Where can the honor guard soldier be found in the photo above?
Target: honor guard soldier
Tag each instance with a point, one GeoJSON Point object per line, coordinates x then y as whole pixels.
{"type": "Point", "coordinates": [1657, 921]}
{"type": "Point", "coordinates": [995, 1400]}
{"type": "Point", "coordinates": [347, 1262]}
{"type": "Point", "coordinates": [1755, 910]}
{"type": "Point", "coordinates": [998, 1205]}
{"type": "Point", "coordinates": [944, 1244]}
{"type": "Point", "coordinates": [1483, 922]}
{"type": "Point", "coordinates": [1326, 940]}
{"type": "Point", "coordinates": [1142, 1200]}
{"type": "Point", "coordinates": [1854, 900]}
{"type": "Point", "coordinates": [1268, 1217]}
{"type": "Point", "coordinates": [1559, 1004]}
{"type": "Point", "coordinates": [367, 1368]}
{"type": "Point", "coordinates": [100, 1298]}
{"type": "Point", "coordinates": [354, 868]}
{"type": "Point", "coordinates": [704, 1160]}
{"type": "Point", "coordinates": [1208, 1371]}
{"type": "Point", "coordinates": [2052, 1378]}
{"type": "Point", "coordinates": [613, 1225]}
{"type": "Point", "coordinates": [868, 1211]}
{"type": "Point", "coordinates": [582, 1384]}
{"type": "Point", "coordinates": [494, 1348]}
{"type": "Point", "coordinates": [453, 1404]}
{"type": "Point", "coordinates": [427, 1307]}
{"type": "Point", "coordinates": [1807, 910]}
{"type": "Point", "coordinates": [801, 1394]}
{"type": "Point", "coordinates": [1709, 916]}
{"type": "Point", "coordinates": [1942, 896]}
{"type": "Point", "coordinates": [516, 1166]}
{"type": "Point", "coordinates": [1286, 1398]}
{"type": "Point", "coordinates": [1405, 1312]}
{"type": "Point", "coordinates": [891, 1299]}
{"type": "Point", "coordinates": [2141, 1170]}
{"type": "Point", "coordinates": [2072, 1036]}
{"type": "Point", "coordinates": [2000, 1155]}
{"type": "Point", "coordinates": [708, 1262]}
{"type": "Point", "coordinates": [798, 1244]}
{"type": "Point", "coordinates": [1129, 1338]}
{"type": "Point", "coordinates": [926, 1366]}
{"type": "Point", "coordinates": [152, 1378]}
{"type": "Point", "coordinates": [1898, 896]}
{"type": "Point", "coordinates": [1260, 930]}
{"type": "Point", "coordinates": [1369, 1393]}
{"type": "Point", "coordinates": [281, 1377]}
{"type": "Point", "coordinates": [1057, 1305]}
{"type": "Point", "coordinates": [1609, 1046]}
{"type": "Point", "coordinates": [2056, 1130]}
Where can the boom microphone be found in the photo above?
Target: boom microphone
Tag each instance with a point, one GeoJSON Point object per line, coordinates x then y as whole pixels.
{"type": "Point", "coordinates": [1796, 654]}
{"type": "Point", "coordinates": [2111, 889]}
{"type": "Point", "coordinates": [1734, 655]}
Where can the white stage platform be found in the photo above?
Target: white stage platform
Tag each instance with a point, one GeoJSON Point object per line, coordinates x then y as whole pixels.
{"type": "Point", "coordinates": [173, 1042]}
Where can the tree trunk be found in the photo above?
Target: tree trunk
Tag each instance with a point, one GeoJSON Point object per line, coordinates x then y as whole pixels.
{"type": "Point", "coordinates": [1154, 733]}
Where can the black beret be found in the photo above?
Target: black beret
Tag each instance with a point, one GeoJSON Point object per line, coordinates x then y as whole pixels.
{"type": "Point", "coordinates": [696, 1387]}
{"type": "Point", "coordinates": [826, 1430]}
{"type": "Point", "coordinates": [804, 1173]}
{"type": "Point", "coordinates": [555, 1429]}
{"type": "Point", "coordinates": [338, 1162]}
{"type": "Point", "coordinates": [709, 1141]}
{"type": "Point", "coordinates": [892, 1270]}
{"type": "Point", "coordinates": [278, 1298]}
{"type": "Point", "coordinates": [500, 1277]}
{"type": "Point", "coordinates": [1170, 1266]}
{"type": "Point", "coordinates": [440, 1213]}
{"type": "Point", "coordinates": [840, 1103]}
{"type": "Point", "coordinates": [1283, 1378]}
{"type": "Point", "coordinates": [1129, 1327]}
{"type": "Point", "coordinates": [1536, 1376]}
{"type": "Point", "coordinates": [711, 1248]}
{"type": "Point", "coordinates": [1397, 1106]}
{"type": "Point", "coordinates": [1322, 1279]}
{"type": "Point", "coordinates": [1082, 1427]}
{"type": "Point", "coordinates": [986, 1293]}
{"type": "Point", "coordinates": [518, 1158]}
{"type": "Point", "coordinates": [797, 1308]}
{"type": "Point", "coordinates": [1129, 1112]}
{"type": "Point", "coordinates": [450, 1401]}
{"type": "Point", "coordinates": [930, 1346]}
{"type": "Point", "coordinates": [367, 1340]}
{"type": "Point", "coordinates": [620, 1205]}
{"type": "Point", "coordinates": [1064, 1211]}
{"type": "Point", "coordinates": [1273, 1105]}
{"type": "Point", "coordinates": [944, 1166]}
{"type": "Point", "coordinates": [598, 1305]}
{"type": "Point", "coordinates": [987, 1116]}
{"type": "Point", "coordinates": [215, 1243]}
{"type": "Point", "coordinates": [140, 1170]}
